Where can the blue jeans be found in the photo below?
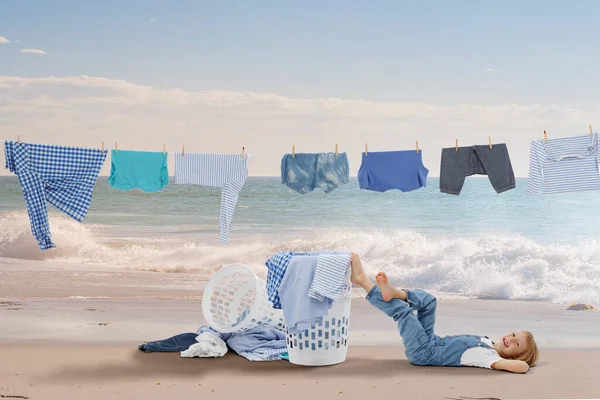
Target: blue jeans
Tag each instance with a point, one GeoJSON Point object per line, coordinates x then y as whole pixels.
{"type": "Point", "coordinates": [416, 331]}
{"type": "Point", "coordinates": [304, 172]}
{"type": "Point", "coordinates": [176, 343]}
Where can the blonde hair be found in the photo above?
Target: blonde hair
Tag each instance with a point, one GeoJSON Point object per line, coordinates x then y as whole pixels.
{"type": "Point", "coordinates": [531, 353]}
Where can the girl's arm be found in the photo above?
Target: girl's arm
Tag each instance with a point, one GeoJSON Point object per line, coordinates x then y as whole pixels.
{"type": "Point", "coordinates": [516, 366]}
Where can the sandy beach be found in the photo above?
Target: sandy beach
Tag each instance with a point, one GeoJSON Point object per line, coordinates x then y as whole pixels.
{"type": "Point", "coordinates": [72, 332]}
{"type": "Point", "coordinates": [106, 371]}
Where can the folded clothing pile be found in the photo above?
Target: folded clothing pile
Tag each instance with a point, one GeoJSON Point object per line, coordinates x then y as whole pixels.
{"type": "Point", "coordinates": [262, 343]}
{"type": "Point", "coordinates": [305, 284]}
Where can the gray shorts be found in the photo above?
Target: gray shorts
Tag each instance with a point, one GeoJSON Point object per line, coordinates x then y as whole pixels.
{"type": "Point", "coordinates": [476, 160]}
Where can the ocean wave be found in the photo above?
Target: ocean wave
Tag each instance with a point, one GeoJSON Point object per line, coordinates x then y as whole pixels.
{"type": "Point", "coordinates": [493, 267]}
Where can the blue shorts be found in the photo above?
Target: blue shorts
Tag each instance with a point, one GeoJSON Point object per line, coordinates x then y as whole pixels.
{"type": "Point", "coordinates": [305, 172]}
{"type": "Point", "coordinates": [385, 170]}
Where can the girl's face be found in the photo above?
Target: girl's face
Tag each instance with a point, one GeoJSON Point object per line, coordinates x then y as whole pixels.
{"type": "Point", "coordinates": [512, 345]}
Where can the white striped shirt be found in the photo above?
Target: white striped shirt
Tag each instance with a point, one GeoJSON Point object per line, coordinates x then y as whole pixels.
{"type": "Point", "coordinates": [564, 165]}
{"type": "Point", "coordinates": [227, 171]}
{"type": "Point", "coordinates": [330, 276]}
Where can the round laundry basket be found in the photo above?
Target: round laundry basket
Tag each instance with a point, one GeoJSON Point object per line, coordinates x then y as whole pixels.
{"type": "Point", "coordinates": [326, 342]}
{"type": "Point", "coordinates": [235, 300]}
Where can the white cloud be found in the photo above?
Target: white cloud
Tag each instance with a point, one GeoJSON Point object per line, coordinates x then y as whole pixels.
{"type": "Point", "coordinates": [85, 110]}
{"type": "Point", "coordinates": [17, 41]}
{"type": "Point", "coordinates": [33, 51]}
{"type": "Point", "coordinates": [4, 40]}
{"type": "Point", "coordinates": [152, 20]}
{"type": "Point", "coordinates": [491, 69]}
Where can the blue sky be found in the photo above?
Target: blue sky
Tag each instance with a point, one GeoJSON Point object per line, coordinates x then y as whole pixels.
{"type": "Point", "coordinates": [435, 53]}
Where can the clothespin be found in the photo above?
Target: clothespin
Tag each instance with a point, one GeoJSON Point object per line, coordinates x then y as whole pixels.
{"type": "Point", "coordinates": [18, 140]}
{"type": "Point", "coordinates": [293, 151]}
{"type": "Point", "coordinates": [490, 140]}
{"type": "Point", "coordinates": [417, 146]}
{"type": "Point", "coordinates": [243, 151]}
{"type": "Point", "coordinates": [545, 136]}
{"type": "Point", "coordinates": [591, 131]}
{"type": "Point", "coordinates": [103, 146]}
{"type": "Point", "coordinates": [164, 149]}
{"type": "Point", "coordinates": [366, 149]}
{"type": "Point", "coordinates": [456, 144]}
{"type": "Point", "coordinates": [182, 150]}
{"type": "Point", "coordinates": [116, 148]}
{"type": "Point", "coordinates": [336, 149]}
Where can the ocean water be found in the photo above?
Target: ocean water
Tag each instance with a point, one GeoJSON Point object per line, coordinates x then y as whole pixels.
{"type": "Point", "coordinates": [479, 244]}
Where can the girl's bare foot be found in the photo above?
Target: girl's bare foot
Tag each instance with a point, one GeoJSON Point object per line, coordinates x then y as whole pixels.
{"type": "Point", "coordinates": [388, 291]}
{"type": "Point", "coordinates": [358, 276]}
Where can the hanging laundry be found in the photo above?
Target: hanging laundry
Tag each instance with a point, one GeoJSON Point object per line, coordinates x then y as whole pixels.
{"type": "Point", "coordinates": [456, 165]}
{"type": "Point", "coordinates": [138, 169]}
{"type": "Point", "coordinates": [564, 165]}
{"type": "Point", "coordinates": [227, 171]}
{"type": "Point", "coordinates": [306, 172]}
{"type": "Point", "coordinates": [299, 309]}
{"type": "Point", "coordinates": [63, 176]}
{"type": "Point", "coordinates": [330, 276]}
{"type": "Point", "coordinates": [385, 170]}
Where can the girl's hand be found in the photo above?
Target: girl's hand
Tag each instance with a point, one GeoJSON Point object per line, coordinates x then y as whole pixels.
{"type": "Point", "coordinates": [516, 366]}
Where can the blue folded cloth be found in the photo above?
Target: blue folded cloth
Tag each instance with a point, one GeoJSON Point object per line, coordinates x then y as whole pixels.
{"type": "Point", "coordinates": [262, 343]}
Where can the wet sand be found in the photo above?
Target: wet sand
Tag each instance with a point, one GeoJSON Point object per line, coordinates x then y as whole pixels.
{"type": "Point", "coordinates": [70, 332]}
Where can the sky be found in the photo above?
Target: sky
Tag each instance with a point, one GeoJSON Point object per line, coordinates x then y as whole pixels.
{"type": "Point", "coordinates": [218, 75]}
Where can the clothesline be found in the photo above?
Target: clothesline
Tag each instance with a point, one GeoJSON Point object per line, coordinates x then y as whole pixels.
{"type": "Point", "coordinates": [45, 167]}
{"type": "Point", "coordinates": [457, 144]}
{"type": "Point", "coordinates": [545, 137]}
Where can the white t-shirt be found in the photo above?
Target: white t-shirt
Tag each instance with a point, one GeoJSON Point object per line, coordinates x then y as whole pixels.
{"type": "Point", "coordinates": [480, 356]}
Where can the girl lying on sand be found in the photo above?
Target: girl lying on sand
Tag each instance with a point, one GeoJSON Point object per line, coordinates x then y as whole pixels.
{"type": "Point", "coordinates": [514, 352]}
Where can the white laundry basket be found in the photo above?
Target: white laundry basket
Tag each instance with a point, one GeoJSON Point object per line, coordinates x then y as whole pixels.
{"type": "Point", "coordinates": [326, 342]}
{"type": "Point", "coordinates": [235, 300]}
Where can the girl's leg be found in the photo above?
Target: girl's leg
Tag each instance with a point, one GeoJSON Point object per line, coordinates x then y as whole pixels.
{"type": "Point", "coordinates": [424, 303]}
{"type": "Point", "coordinates": [414, 337]}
